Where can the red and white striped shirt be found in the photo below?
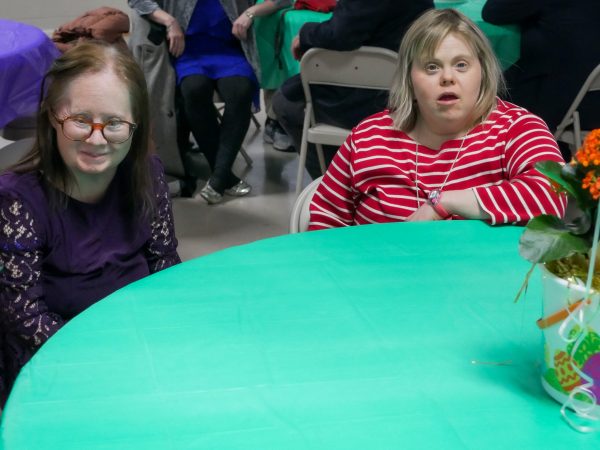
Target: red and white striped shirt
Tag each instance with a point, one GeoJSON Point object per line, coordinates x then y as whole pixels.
{"type": "Point", "coordinates": [373, 177]}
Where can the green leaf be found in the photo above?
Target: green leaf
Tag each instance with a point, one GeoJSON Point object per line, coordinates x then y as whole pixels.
{"type": "Point", "coordinates": [547, 238]}
{"type": "Point", "coordinates": [554, 171]}
{"type": "Point", "coordinates": [574, 176]}
{"type": "Point", "coordinates": [569, 178]}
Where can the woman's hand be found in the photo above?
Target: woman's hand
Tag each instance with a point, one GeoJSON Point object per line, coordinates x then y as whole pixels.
{"type": "Point", "coordinates": [176, 38]}
{"type": "Point", "coordinates": [424, 213]}
{"type": "Point", "coordinates": [241, 26]}
{"type": "Point", "coordinates": [296, 52]}
{"type": "Point", "coordinates": [457, 203]}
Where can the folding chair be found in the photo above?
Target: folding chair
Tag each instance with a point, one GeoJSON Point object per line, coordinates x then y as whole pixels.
{"type": "Point", "coordinates": [569, 130]}
{"type": "Point", "coordinates": [366, 68]}
{"type": "Point", "coordinates": [13, 152]}
{"type": "Point", "coordinates": [300, 217]}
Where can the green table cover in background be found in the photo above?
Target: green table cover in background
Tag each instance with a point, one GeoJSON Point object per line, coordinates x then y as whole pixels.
{"type": "Point", "coordinates": [505, 39]}
{"type": "Point", "coordinates": [276, 69]}
{"type": "Point", "coordinates": [372, 337]}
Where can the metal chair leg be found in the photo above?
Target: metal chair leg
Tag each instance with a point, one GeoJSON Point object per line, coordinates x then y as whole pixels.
{"type": "Point", "coordinates": [255, 121]}
{"type": "Point", "coordinates": [321, 157]}
{"type": "Point", "coordinates": [303, 149]}
{"type": "Point", "coordinates": [246, 156]}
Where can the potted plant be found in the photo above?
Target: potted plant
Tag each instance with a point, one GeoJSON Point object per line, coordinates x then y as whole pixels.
{"type": "Point", "coordinates": [567, 253]}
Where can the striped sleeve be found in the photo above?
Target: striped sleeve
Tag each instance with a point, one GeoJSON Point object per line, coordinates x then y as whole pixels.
{"type": "Point", "coordinates": [333, 202]}
{"type": "Point", "coordinates": [525, 193]}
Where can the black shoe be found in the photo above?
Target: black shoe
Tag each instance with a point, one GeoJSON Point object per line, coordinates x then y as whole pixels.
{"type": "Point", "coordinates": [188, 187]}
{"type": "Point", "coordinates": [282, 141]}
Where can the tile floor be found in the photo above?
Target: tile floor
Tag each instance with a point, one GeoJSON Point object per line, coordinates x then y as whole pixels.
{"type": "Point", "coordinates": [203, 228]}
{"type": "Point", "coordinates": [265, 212]}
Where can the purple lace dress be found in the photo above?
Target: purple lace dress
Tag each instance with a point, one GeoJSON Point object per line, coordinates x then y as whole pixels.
{"type": "Point", "coordinates": [56, 263]}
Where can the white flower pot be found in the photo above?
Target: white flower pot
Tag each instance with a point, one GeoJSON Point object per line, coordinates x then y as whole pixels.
{"type": "Point", "coordinates": [571, 369]}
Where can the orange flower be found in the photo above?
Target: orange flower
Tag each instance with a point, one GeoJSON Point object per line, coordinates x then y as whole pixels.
{"type": "Point", "coordinates": [592, 183]}
{"type": "Point", "coordinates": [581, 180]}
{"type": "Point", "coordinates": [589, 153]}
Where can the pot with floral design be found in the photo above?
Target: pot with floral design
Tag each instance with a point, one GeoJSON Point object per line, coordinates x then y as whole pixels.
{"type": "Point", "coordinates": [567, 252]}
{"type": "Point", "coordinates": [571, 328]}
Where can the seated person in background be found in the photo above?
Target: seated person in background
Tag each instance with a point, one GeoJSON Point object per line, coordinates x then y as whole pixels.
{"type": "Point", "coordinates": [242, 24]}
{"type": "Point", "coordinates": [354, 23]}
{"type": "Point", "coordinates": [87, 211]}
{"type": "Point", "coordinates": [208, 57]}
{"type": "Point", "coordinates": [447, 147]}
{"type": "Point", "coordinates": [273, 132]}
{"type": "Point", "coordinates": [560, 46]}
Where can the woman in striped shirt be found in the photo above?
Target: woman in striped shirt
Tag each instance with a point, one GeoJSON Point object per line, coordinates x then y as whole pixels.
{"type": "Point", "coordinates": [447, 147]}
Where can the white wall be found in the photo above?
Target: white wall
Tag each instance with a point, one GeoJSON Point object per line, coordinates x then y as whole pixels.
{"type": "Point", "coordinates": [50, 14]}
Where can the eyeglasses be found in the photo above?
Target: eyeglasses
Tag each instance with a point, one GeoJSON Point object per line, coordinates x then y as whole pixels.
{"type": "Point", "coordinates": [78, 128]}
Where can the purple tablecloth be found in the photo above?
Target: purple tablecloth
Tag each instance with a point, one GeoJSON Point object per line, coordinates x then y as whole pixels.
{"type": "Point", "coordinates": [25, 55]}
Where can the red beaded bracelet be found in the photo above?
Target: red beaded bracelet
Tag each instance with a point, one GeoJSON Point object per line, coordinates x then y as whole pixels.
{"type": "Point", "coordinates": [433, 200]}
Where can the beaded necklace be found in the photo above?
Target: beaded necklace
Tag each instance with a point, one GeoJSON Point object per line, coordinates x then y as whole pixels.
{"type": "Point", "coordinates": [435, 194]}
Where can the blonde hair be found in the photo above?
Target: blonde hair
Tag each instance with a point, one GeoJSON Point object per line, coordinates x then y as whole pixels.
{"type": "Point", "coordinates": [420, 42]}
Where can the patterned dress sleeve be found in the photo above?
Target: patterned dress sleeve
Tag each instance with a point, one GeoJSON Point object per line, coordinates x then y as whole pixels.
{"type": "Point", "coordinates": [23, 311]}
{"type": "Point", "coordinates": [161, 249]}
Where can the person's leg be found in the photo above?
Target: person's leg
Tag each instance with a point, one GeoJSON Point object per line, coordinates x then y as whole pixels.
{"type": "Point", "coordinates": [274, 133]}
{"type": "Point", "coordinates": [236, 92]}
{"type": "Point", "coordinates": [271, 120]}
{"type": "Point", "coordinates": [268, 99]}
{"type": "Point", "coordinates": [291, 117]}
{"type": "Point", "coordinates": [197, 92]}
{"type": "Point", "coordinates": [188, 183]}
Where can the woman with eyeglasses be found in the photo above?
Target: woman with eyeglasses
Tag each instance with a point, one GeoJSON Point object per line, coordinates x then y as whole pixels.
{"type": "Point", "coordinates": [87, 211]}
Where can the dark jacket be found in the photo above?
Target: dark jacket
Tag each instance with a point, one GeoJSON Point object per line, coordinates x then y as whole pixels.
{"type": "Point", "coordinates": [354, 23]}
{"type": "Point", "coordinates": [560, 46]}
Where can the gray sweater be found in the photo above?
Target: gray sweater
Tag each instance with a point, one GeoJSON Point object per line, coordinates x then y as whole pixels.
{"type": "Point", "coordinates": [182, 11]}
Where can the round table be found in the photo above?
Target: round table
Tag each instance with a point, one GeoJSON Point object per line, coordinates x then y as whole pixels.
{"type": "Point", "coordinates": [26, 53]}
{"type": "Point", "coordinates": [375, 337]}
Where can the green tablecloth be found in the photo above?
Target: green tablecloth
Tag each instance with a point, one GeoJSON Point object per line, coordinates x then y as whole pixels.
{"type": "Point", "coordinates": [372, 337]}
{"type": "Point", "coordinates": [505, 39]}
{"type": "Point", "coordinates": [276, 61]}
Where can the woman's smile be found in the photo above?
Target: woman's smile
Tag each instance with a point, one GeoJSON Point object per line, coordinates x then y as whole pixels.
{"type": "Point", "coordinates": [94, 154]}
{"type": "Point", "coordinates": [97, 97]}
